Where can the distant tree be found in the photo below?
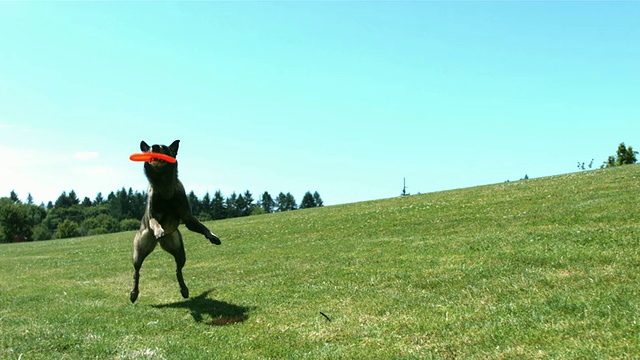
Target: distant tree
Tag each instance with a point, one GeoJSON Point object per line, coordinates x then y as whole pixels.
{"type": "Point", "coordinates": [291, 202]}
{"type": "Point", "coordinates": [103, 223]}
{"type": "Point", "coordinates": [307, 201]}
{"type": "Point", "coordinates": [281, 202]}
{"type": "Point", "coordinates": [125, 204]}
{"type": "Point", "coordinates": [247, 209]}
{"type": "Point", "coordinates": [218, 207]}
{"type": "Point", "coordinates": [205, 208]}
{"type": "Point", "coordinates": [138, 205]}
{"type": "Point", "coordinates": [111, 197]}
{"type": "Point", "coordinates": [232, 206]}
{"type": "Point", "coordinates": [206, 204]}
{"type": "Point", "coordinates": [582, 165]}
{"type": "Point", "coordinates": [243, 204]}
{"type": "Point", "coordinates": [15, 222]}
{"type": "Point", "coordinates": [131, 211]}
{"type": "Point", "coordinates": [195, 204]}
{"type": "Point", "coordinates": [41, 232]}
{"type": "Point", "coordinates": [240, 205]}
{"type": "Point", "coordinates": [29, 199]}
{"type": "Point", "coordinates": [65, 201]}
{"type": "Point", "coordinates": [286, 202]}
{"type": "Point", "coordinates": [99, 199]}
{"type": "Point", "coordinates": [129, 224]}
{"type": "Point", "coordinates": [267, 202]}
{"type": "Point", "coordinates": [624, 156]}
{"type": "Point", "coordinates": [317, 199]}
{"type": "Point", "coordinates": [14, 197]}
{"type": "Point", "coordinates": [67, 229]}
{"type": "Point", "coordinates": [35, 214]}
{"type": "Point", "coordinates": [86, 202]}
{"type": "Point", "coordinates": [57, 215]}
{"type": "Point", "coordinates": [118, 204]}
{"type": "Point", "coordinates": [94, 211]}
{"type": "Point", "coordinates": [73, 198]}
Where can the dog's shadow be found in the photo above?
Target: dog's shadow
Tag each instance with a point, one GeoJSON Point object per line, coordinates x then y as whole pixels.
{"type": "Point", "coordinates": [209, 311]}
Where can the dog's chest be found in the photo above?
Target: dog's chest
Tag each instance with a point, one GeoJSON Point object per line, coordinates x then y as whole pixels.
{"type": "Point", "coordinates": [165, 210]}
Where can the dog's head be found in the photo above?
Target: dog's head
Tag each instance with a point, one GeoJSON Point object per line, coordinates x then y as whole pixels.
{"type": "Point", "coordinates": [158, 165]}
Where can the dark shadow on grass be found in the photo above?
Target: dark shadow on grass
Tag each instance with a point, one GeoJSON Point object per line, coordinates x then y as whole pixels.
{"type": "Point", "coordinates": [221, 312]}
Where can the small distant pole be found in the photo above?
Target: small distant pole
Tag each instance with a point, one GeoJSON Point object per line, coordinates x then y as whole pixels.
{"type": "Point", "coordinates": [404, 187]}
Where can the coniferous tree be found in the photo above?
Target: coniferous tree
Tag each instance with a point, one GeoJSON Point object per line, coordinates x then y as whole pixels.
{"type": "Point", "coordinates": [99, 199]}
{"type": "Point", "coordinates": [130, 211]}
{"type": "Point", "coordinates": [86, 202]}
{"type": "Point", "coordinates": [317, 199]}
{"type": "Point", "coordinates": [291, 202]}
{"type": "Point", "coordinates": [73, 198]}
{"type": "Point", "coordinates": [232, 205]}
{"type": "Point", "coordinates": [218, 207]}
{"type": "Point", "coordinates": [248, 204]}
{"type": "Point", "coordinates": [267, 202]}
{"type": "Point", "coordinates": [14, 197]}
{"type": "Point", "coordinates": [206, 203]}
{"type": "Point", "coordinates": [281, 202]}
{"type": "Point", "coordinates": [241, 204]}
{"type": "Point", "coordinates": [138, 205]}
{"type": "Point", "coordinates": [119, 204]}
{"type": "Point", "coordinates": [308, 201]}
{"type": "Point", "coordinates": [195, 204]}
{"type": "Point", "coordinates": [286, 202]}
{"type": "Point", "coordinates": [63, 201]}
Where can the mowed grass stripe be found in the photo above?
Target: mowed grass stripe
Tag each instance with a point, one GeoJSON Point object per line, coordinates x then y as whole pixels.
{"type": "Point", "coordinates": [544, 268]}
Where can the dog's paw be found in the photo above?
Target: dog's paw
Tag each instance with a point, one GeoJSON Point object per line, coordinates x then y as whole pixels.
{"type": "Point", "coordinates": [158, 232]}
{"type": "Point", "coordinates": [214, 239]}
{"type": "Point", "coordinates": [185, 292]}
{"type": "Point", "coordinates": [133, 296]}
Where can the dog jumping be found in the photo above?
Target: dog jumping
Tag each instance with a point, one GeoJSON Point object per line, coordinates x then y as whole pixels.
{"type": "Point", "coordinates": [166, 207]}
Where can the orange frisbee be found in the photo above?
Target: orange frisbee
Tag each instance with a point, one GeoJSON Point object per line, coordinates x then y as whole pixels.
{"type": "Point", "coordinates": [148, 156]}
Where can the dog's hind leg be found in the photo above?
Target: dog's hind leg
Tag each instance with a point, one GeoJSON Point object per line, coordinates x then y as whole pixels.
{"type": "Point", "coordinates": [143, 245]}
{"type": "Point", "coordinates": [172, 243]}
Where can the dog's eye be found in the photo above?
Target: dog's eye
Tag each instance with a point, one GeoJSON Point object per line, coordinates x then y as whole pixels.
{"type": "Point", "coordinates": [166, 150]}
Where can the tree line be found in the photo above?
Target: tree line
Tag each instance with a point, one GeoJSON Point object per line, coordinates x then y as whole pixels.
{"type": "Point", "coordinates": [625, 155]}
{"type": "Point", "coordinates": [122, 210]}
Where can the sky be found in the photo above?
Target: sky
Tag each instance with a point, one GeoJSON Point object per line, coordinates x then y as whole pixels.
{"type": "Point", "coordinates": [343, 98]}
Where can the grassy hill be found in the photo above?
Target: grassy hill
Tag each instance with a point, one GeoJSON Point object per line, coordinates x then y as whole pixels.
{"type": "Point", "coordinates": [544, 268]}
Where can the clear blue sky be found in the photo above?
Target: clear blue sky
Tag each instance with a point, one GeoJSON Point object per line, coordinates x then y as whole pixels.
{"type": "Point", "coordinates": [343, 98]}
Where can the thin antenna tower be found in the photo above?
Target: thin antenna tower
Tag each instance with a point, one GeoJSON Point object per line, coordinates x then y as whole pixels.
{"type": "Point", "coordinates": [404, 187]}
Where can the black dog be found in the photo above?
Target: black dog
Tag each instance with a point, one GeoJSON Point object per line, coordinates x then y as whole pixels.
{"type": "Point", "coordinates": [167, 205]}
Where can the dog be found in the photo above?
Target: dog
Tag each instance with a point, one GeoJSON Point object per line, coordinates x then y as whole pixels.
{"type": "Point", "coordinates": [166, 206]}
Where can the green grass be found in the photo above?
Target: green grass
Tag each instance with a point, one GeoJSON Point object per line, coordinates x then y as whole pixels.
{"type": "Point", "coordinates": [544, 268]}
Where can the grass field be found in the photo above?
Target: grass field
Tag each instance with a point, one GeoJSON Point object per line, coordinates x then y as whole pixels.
{"type": "Point", "coordinates": [544, 268]}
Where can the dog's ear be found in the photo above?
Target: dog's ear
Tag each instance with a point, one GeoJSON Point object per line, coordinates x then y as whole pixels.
{"type": "Point", "coordinates": [174, 147]}
{"type": "Point", "coordinates": [144, 147]}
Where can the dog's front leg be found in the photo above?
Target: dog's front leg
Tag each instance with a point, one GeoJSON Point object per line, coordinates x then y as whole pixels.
{"type": "Point", "coordinates": [194, 225]}
{"type": "Point", "coordinates": [158, 231]}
